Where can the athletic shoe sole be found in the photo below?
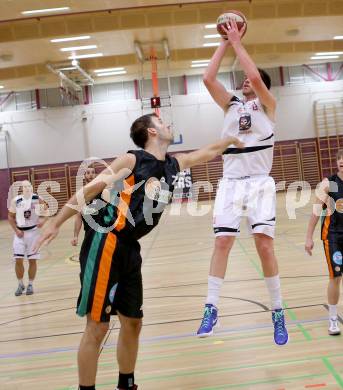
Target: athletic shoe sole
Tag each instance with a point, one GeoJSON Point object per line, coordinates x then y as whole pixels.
{"type": "Point", "coordinates": [203, 335]}
{"type": "Point", "coordinates": [334, 333]}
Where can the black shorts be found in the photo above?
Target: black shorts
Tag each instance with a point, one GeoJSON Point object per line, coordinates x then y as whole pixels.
{"type": "Point", "coordinates": [334, 254]}
{"type": "Point", "coordinates": [111, 278]}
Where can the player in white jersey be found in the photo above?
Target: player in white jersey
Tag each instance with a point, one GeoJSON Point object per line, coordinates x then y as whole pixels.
{"type": "Point", "coordinates": [246, 188]}
{"type": "Point", "coordinates": [24, 218]}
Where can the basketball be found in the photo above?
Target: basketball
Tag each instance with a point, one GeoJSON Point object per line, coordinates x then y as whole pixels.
{"type": "Point", "coordinates": [232, 14]}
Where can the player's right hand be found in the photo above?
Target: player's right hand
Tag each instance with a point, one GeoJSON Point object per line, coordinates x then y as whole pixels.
{"type": "Point", "coordinates": [48, 235]}
{"type": "Point", "coordinates": [74, 241]}
{"type": "Point", "coordinates": [19, 233]}
{"type": "Point", "coordinates": [309, 244]}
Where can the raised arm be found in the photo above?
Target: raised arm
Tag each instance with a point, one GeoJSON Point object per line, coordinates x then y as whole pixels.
{"type": "Point", "coordinates": [120, 168]}
{"type": "Point", "coordinates": [207, 153]}
{"type": "Point", "coordinates": [216, 89]}
{"type": "Point", "coordinates": [250, 69]}
{"type": "Point", "coordinates": [316, 212]}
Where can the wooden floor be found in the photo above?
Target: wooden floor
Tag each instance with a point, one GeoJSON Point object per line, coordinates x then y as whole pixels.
{"type": "Point", "coordinates": [40, 334]}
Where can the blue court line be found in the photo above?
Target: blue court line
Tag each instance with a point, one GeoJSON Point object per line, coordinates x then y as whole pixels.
{"type": "Point", "coordinates": [148, 340]}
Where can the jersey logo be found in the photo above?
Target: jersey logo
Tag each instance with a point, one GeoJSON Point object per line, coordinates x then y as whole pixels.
{"type": "Point", "coordinates": [337, 258]}
{"type": "Point", "coordinates": [157, 190]}
{"type": "Point", "coordinates": [27, 214]}
{"type": "Point", "coordinates": [244, 122]}
{"type": "Point", "coordinates": [254, 107]}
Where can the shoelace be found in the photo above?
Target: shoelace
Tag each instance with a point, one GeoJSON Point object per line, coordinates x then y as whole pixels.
{"type": "Point", "coordinates": [279, 323]}
{"type": "Point", "coordinates": [334, 323]}
{"type": "Point", "coordinates": [207, 316]}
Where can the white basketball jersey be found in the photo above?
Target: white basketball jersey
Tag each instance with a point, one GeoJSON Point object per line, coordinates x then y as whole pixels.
{"type": "Point", "coordinates": [26, 210]}
{"type": "Point", "coordinates": [250, 124]}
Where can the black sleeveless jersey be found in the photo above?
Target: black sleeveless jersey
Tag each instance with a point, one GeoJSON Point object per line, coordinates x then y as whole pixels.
{"type": "Point", "coordinates": [137, 203]}
{"type": "Point", "coordinates": [332, 221]}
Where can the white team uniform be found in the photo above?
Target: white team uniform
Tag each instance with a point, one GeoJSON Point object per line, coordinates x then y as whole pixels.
{"type": "Point", "coordinates": [27, 218]}
{"type": "Point", "coordinates": [246, 188]}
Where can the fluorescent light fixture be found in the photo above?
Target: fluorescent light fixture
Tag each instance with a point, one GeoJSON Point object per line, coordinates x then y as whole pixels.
{"type": "Point", "coordinates": [200, 61]}
{"type": "Point", "coordinates": [1, 87]}
{"type": "Point", "coordinates": [338, 37]}
{"type": "Point", "coordinates": [76, 57]}
{"type": "Point", "coordinates": [199, 65]}
{"type": "Point", "coordinates": [329, 53]}
{"type": "Point", "coordinates": [210, 26]}
{"type": "Point", "coordinates": [324, 57]}
{"type": "Point", "coordinates": [212, 36]}
{"type": "Point", "coordinates": [46, 10]}
{"type": "Point", "coordinates": [108, 70]}
{"type": "Point", "coordinates": [70, 39]}
{"type": "Point", "coordinates": [68, 68]}
{"type": "Point", "coordinates": [211, 44]}
{"type": "Point", "coordinates": [111, 73]}
{"type": "Point", "coordinates": [73, 48]}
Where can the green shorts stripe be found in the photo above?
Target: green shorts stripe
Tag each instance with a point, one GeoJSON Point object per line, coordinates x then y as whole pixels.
{"type": "Point", "coordinates": [88, 274]}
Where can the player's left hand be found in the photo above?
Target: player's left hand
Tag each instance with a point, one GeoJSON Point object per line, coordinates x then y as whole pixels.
{"type": "Point", "coordinates": [233, 34]}
{"type": "Point", "coordinates": [47, 236]}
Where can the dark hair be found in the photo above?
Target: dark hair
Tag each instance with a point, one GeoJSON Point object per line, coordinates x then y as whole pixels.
{"type": "Point", "coordinates": [339, 154]}
{"type": "Point", "coordinates": [139, 129]}
{"type": "Point", "coordinates": [265, 77]}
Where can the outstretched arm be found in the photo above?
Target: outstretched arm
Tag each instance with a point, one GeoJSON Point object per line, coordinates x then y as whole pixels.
{"type": "Point", "coordinates": [120, 168]}
{"type": "Point", "coordinates": [207, 153]}
{"type": "Point", "coordinates": [250, 69]}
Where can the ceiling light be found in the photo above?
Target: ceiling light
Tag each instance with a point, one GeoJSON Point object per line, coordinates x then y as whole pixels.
{"type": "Point", "coordinates": [329, 53]}
{"type": "Point", "coordinates": [73, 48]}
{"type": "Point", "coordinates": [212, 36]}
{"type": "Point", "coordinates": [211, 44]}
{"type": "Point", "coordinates": [338, 37]}
{"type": "Point", "coordinates": [68, 68]}
{"type": "Point", "coordinates": [85, 56]}
{"type": "Point", "coordinates": [210, 26]}
{"type": "Point", "coordinates": [1, 87]}
{"type": "Point", "coordinates": [111, 73]}
{"type": "Point", "coordinates": [70, 39]}
{"type": "Point", "coordinates": [46, 10]}
{"type": "Point", "coordinates": [323, 57]}
{"type": "Point", "coordinates": [200, 61]}
{"type": "Point", "coordinates": [199, 65]}
{"type": "Point", "coordinates": [108, 70]}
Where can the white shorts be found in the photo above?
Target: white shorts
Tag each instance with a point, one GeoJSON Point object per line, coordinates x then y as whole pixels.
{"type": "Point", "coordinates": [252, 197]}
{"type": "Point", "coordinates": [22, 247]}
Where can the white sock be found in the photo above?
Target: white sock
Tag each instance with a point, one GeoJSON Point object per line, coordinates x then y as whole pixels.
{"type": "Point", "coordinates": [30, 282]}
{"type": "Point", "coordinates": [333, 311]}
{"type": "Point", "coordinates": [274, 288]}
{"type": "Point", "coordinates": [20, 281]}
{"type": "Point", "coordinates": [214, 285]}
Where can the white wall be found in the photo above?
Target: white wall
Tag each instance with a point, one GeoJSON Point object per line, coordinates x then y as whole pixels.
{"type": "Point", "coordinates": [59, 135]}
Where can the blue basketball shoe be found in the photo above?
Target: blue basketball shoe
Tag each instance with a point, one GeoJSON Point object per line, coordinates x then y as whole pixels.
{"type": "Point", "coordinates": [209, 321]}
{"type": "Point", "coordinates": [280, 331]}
